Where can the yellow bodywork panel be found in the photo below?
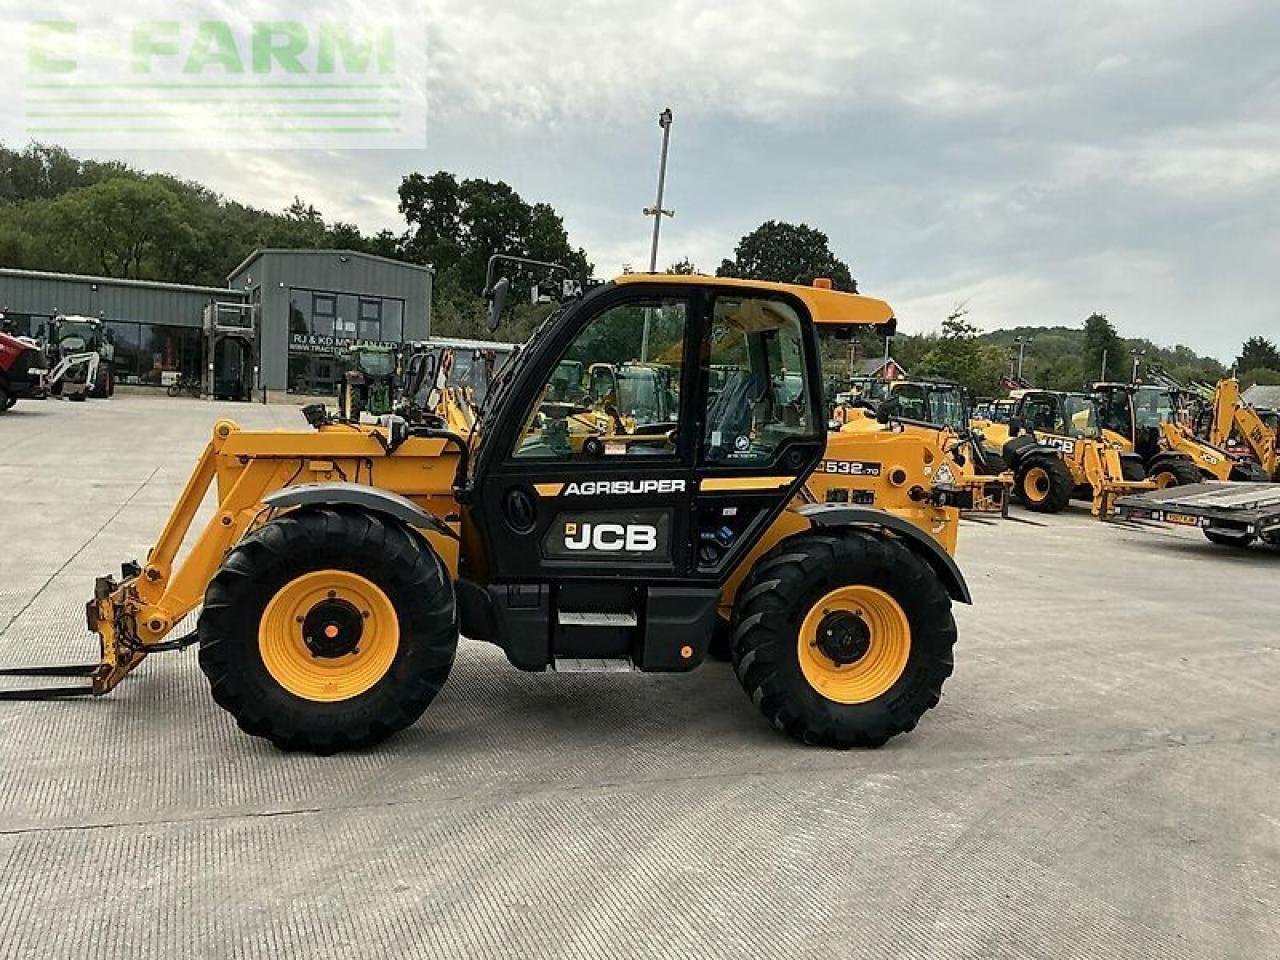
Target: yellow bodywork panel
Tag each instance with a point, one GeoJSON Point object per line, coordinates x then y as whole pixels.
{"type": "Point", "coordinates": [827, 307]}
{"type": "Point", "coordinates": [244, 467]}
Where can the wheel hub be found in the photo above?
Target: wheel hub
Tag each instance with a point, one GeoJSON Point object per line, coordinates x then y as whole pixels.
{"type": "Point", "coordinates": [332, 629]}
{"type": "Point", "coordinates": [843, 637]}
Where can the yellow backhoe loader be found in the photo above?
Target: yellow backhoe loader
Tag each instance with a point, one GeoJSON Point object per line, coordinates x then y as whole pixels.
{"type": "Point", "coordinates": [1233, 420]}
{"type": "Point", "coordinates": [1150, 420]}
{"type": "Point", "coordinates": [341, 562]}
{"type": "Point", "coordinates": [1057, 451]}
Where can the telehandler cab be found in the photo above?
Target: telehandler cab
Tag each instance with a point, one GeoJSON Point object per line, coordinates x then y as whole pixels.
{"type": "Point", "coordinates": [341, 563]}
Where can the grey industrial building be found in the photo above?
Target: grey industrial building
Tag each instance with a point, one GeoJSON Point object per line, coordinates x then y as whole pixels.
{"type": "Point", "coordinates": [305, 306]}
{"type": "Point", "coordinates": [311, 303]}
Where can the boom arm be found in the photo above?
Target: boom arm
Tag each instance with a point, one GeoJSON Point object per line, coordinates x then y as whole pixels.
{"type": "Point", "coordinates": [134, 616]}
{"type": "Point", "coordinates": [1232, 414]}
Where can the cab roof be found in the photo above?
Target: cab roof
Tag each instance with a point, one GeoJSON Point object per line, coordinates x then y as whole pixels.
{"type": "Point", "coordinates": [827, 307]}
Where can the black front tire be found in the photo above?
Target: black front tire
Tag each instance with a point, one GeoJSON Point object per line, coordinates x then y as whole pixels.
{"type": "Point", "coordinates": [1175, 473]}
{"type": "Point", "coordinates": [1043, 483]}
{"type": "Point", "coordinates": [390, 556]}
{"type": "Point", "coordinates": [781, 590]}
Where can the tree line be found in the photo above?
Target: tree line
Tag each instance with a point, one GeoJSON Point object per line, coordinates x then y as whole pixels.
{"type": "Point", "coordinates": [60, 213]}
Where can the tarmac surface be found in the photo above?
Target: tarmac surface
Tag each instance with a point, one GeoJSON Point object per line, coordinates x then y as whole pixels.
{"type": "Point", "coordinates": [1099, 780]}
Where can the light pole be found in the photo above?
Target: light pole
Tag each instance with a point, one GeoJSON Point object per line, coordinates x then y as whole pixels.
{"type": "Point", "coordinates": [657, 211]}
{"type": "Point", "coordinates": [1022, 347]}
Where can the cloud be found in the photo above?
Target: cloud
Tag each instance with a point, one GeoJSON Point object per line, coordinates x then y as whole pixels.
{"type": "Point", "coordinates": [1041, 161]}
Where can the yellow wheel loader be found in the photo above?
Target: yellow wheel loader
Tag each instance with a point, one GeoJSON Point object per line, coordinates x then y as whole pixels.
{"type": "Point", "coordinates": [341, 562]}
{"type": "Point", "coordinates": [1058, 452]}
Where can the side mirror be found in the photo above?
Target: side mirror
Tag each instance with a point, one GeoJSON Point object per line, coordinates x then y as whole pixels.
{"type": "Point", "coordinates": [1015, 426]}
{"type": "Point", "coordinates": [498, 302]}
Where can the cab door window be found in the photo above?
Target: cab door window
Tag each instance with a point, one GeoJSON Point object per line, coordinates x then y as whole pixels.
{"type": "Point", "coordinates": [615, 393]}
{"type": "Point", "coordinates": [762, 398]}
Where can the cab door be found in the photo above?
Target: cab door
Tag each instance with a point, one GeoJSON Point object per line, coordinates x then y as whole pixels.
{"type": "Point", "coordinates": [602, 523]}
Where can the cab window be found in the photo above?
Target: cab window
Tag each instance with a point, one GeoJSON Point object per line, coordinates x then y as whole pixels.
{"type": "Point", "coordinates": [616, 390]}
{"type": "Point", "coordinates": [762, 395]}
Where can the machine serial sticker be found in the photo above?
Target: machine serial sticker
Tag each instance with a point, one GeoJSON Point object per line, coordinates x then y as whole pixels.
{"type": "Point", "coordinates": [850, 468]}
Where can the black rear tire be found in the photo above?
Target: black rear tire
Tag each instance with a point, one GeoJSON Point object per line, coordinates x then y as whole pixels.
{"type": "Point", "coordinates": [1131, 469]}
{"type": "Point", "coordinates": [787, 584]}
{"type": "Point", "coordinates": [397, 561]}
{"type": "Point", "coordinates": [1174, 472]}
{"type": "Point", "coordinates": [6, 399]}
{"type": "Point", "coordinates": [1043, 483]}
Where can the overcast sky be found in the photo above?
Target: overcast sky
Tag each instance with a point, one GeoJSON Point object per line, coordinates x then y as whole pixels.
{"type": "Point", "coordinates": [1040, 161]}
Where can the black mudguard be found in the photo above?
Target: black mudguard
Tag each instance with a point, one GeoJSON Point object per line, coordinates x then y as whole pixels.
{"type": "Point", "coordinates": [847, 515]}
{"type": "Point", "coordinates": [358, 495]}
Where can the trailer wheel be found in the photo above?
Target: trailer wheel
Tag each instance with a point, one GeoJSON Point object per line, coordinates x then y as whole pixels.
{"type": "Point", "coordinates": [1229, 538]}
{"type": "Point", "coordinates": [6, 399]}
{"type": "Point", "coordinates": [843, 639]}
{"type": "Point", "coordinates": [1174, 472]}
{"type": "Point", "coordinates": [328, 630]}
{"type": "Point", "coordinates": [1043, 483]}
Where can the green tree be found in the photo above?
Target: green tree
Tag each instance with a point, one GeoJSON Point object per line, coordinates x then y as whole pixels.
{"type": "Point", "coordinates": [1263, 375]}
{"type": "Point", "coordinates": [959, 354]}
{"type": "Point", "coordinates": [789, 253]}
{"type": "Point", "coordinates": [127, 226]}
{"type": "Point", "coordinates": [683, 267]}
{"type": "Point", "coordinates": [456, 225]}
{"type": "Point", "coordinates": [1101, 341]}
{"type": "Point", "coordinates": [1258, 352]}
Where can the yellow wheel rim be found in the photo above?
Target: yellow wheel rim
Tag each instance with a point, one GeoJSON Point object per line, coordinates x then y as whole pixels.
{"type": "Point", "coordinates": [1165, 480]}
{"type": "Point", "coordinates": [1036, 484]}
{"type": "Point", "coordinates": [329, 635]}
{"type": "Point", "coordinates": [880, 656]}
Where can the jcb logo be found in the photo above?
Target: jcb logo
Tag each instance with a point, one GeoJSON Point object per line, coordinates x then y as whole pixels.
{"type": "Point", "coordinates": [611, 537]}
{"type": "Point", "coordinates": [1066, 446]}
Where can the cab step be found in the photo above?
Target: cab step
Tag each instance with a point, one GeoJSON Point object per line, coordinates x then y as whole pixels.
{"type": "Point", "coordinates": [587, 618]}
{"type": "Point", "coordinates": [592, 665]}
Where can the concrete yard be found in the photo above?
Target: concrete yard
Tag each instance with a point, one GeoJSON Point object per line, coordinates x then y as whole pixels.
{"type": "Point", "coordinates": [1100, 779]}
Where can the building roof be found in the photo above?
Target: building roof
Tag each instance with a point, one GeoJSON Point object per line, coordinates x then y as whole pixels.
{"type": "Point", "coordinates": [318, 251]}
{"type": "Point", "coordinates": [113, 281]}
{"type": "Point", "coordinates": [827, 306]}
{"type": "Point", "coordinates": [1262, 395]}
{"type": "Point", "coordinates": [873, 365]}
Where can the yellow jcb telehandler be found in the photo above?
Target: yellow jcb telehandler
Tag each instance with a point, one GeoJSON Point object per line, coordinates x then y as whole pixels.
{"type": "Point", "coordinates": [938, 411]}
{"type": "Point", "coordinates": [341, 562]}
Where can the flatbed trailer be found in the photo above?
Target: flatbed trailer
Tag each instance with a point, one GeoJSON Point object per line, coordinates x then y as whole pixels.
{"type": "Point", "coordinates": [1232, 514]}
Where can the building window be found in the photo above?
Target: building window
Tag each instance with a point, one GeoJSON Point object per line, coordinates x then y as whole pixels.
{"type": "Point", "coordinates": [370, 319]}
{"type": "Point", "coordinates": [145, 352]}
{"type": "Point", "coordinates": [323, 324]}
{"type": "Point", "coordinates": [324, 310]}
{"type": "Point", "coordinates": [393, 320]}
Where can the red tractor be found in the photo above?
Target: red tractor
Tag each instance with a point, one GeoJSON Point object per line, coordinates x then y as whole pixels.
{"type": "Point", "coordinates": [22, 371]}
